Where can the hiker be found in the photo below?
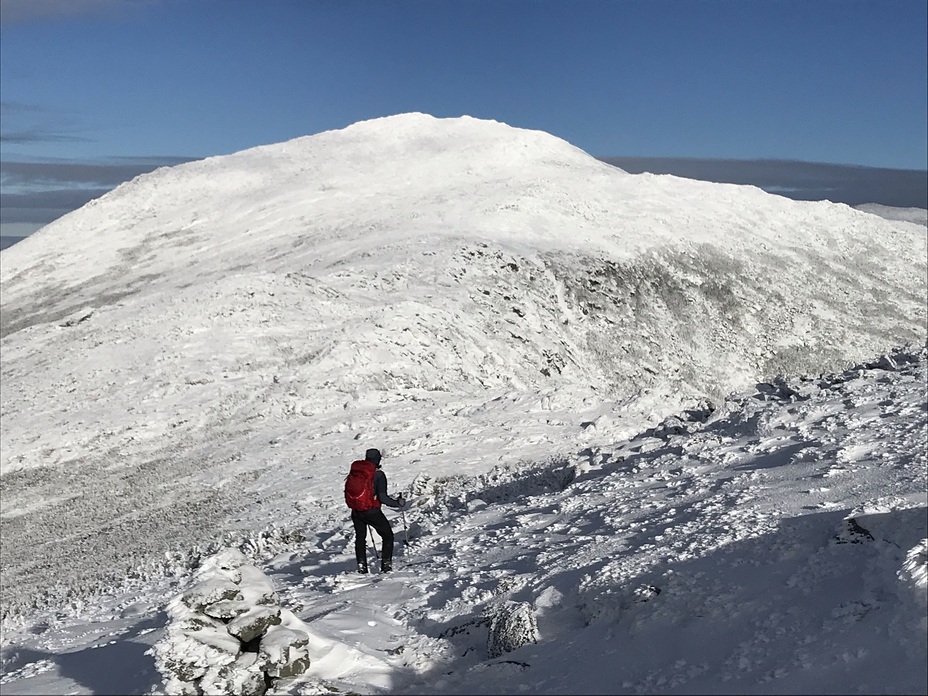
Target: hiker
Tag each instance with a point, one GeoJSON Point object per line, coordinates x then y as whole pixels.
{"type": "Point", "coordinates": [365, 492]}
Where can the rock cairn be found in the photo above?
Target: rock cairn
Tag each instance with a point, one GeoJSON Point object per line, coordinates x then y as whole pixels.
{"type": "Point", "coordinates": [228, 634]}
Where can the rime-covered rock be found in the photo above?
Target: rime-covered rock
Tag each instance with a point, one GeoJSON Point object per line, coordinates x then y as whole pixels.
{"type": "Point", "coordinates": [192, 642]}
{"type": "Point", "coordinates": [914, 571]}
{"type": "Point", "coordinates": [284, 650]}
{"type": "Point", "coordinates": [211, 591]}
{"type": "Point", "coordinates": [512, 625]}
{"type": "Point", "coordinates": [244, 677]}
{"type": "Point", "coordinates": [228, 609]}
{"type": "Point", "coordinates": [254, 622]}
{"type": "Point", "coordinates": [227, 558]}
{"type": "Point", "coordinates": [257, 588]}
{"type": "Point", "coordinates": [173, 686]}
{"type": "Point", "coordinates": [184, 656]}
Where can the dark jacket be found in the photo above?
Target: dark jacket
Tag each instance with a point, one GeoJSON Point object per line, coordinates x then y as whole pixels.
{"type": "Point", "coordinates": [380, 489]}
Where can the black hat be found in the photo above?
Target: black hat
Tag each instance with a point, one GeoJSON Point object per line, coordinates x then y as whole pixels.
{"type": "Point", "coordinates": [373, 456]}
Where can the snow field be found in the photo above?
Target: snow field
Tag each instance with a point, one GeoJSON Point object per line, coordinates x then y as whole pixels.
{"type": "Point", "coordinates": [718, 525]}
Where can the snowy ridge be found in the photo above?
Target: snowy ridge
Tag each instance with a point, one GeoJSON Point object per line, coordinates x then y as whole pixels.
{"type": "Point", "coordinates": [789, 525]}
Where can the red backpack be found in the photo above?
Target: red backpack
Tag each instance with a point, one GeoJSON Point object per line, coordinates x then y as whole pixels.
{"type": "Point", "coordinates": [359, 486]}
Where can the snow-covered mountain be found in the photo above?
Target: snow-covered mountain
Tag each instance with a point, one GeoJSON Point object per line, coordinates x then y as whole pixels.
{"type": "Point", "coordinates": [201, 352]}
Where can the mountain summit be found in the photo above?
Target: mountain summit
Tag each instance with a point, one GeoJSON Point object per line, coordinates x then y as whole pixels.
{"type": "Point", "coordinates": [503, 242]}
{"type": "Point", "coordinates": [294, 298]}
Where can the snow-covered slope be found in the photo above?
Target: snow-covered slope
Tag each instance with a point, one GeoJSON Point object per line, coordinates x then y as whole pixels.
{"type": "Point", "coordinates": [776, 545]}
{"type": "Point", "coordinates": [204, 348]}
{"type": "Point", "coordinates": [917, 215]}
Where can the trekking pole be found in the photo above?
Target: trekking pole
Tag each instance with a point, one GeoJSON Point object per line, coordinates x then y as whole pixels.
{"type": "Point", "coordinates": [373, 544]}
{"type": "Point", "coordinates": [405, 528]}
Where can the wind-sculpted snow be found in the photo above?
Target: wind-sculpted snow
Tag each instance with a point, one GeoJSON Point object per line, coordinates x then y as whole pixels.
{"type": "Point", "coordinates": [200, 352]}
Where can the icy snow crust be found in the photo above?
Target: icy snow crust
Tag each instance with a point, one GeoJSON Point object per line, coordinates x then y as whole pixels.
{"type": "Point", "coordinates": [200, 353]}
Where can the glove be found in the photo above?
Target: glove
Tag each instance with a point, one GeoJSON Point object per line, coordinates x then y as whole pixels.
{"type": "Point", "coordinates": [401, 500]}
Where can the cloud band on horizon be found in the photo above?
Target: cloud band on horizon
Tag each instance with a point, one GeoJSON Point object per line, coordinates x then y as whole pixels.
{"type": "Point", "coordinates": [38, 193]}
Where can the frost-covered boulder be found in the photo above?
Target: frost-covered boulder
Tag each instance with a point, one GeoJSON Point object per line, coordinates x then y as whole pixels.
{"type": "Point", "coordinates": [191, 645]}
{"type": "Point", "coordinates": [205, 595]}
{"type": "Point", "coordinates": [244, 677]}
{"type": "Point", "coordinates": [254, 623]}
{"type": "Point", "coordinates": [224, 634]}
{"type": "Point", "coordinates": [914, 571]}
{"type": "Point", "coordinates": [284, 652]}
{"type": "Point", "coordinates": [257, 588]}
{"type": "Point", "coordinates": [512, 625]}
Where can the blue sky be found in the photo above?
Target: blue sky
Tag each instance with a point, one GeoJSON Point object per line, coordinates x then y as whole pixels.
{"type": "Point", "coordinates": [123, 83]}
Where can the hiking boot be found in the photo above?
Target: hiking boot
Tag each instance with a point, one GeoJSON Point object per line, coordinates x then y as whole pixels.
{"type": "Point", "coordinates": [386, 567]}
{"type": "Point", "coordinates": [362, 568]}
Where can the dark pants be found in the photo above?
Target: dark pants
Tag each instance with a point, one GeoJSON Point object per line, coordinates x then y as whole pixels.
{"type": "Point", "coordinates": [376, 519]}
